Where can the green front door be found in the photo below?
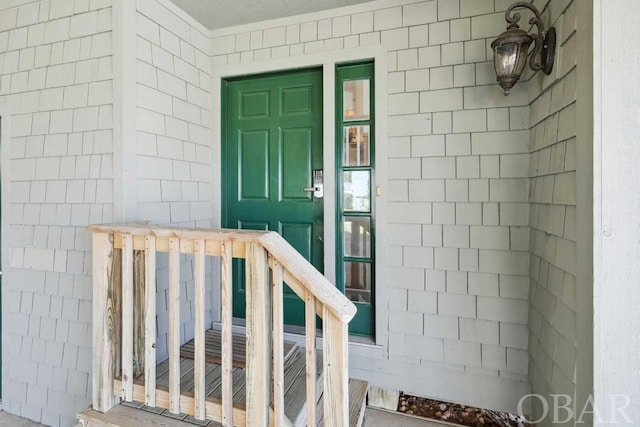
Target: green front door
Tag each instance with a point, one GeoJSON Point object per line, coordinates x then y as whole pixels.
{"type": "Point", "coordinates": [272, 145]}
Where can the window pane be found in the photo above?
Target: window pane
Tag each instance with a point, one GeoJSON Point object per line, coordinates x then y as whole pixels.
{"type": "Point", "coordinates": [357, 237]}
{"type": "Point", "coordinates": [357, 194]}
{"type": "Point", "coordinates": [356, 145]}
{"type": "Point", "coordinates": [357, 281]}
{"type": "Point", "coordinates": [355, 100]}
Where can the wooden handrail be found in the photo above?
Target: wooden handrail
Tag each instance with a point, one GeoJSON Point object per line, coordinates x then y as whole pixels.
{"type": "Point", "coordinates": [312, 280]}
{"type": "Point", "coordinates": [117, 295]}
{"type": "Point", "coordinates": [285, 254]}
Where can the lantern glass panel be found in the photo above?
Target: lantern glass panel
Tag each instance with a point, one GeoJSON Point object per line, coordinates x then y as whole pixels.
{"type": "Point", "coordinates": [510, 57]}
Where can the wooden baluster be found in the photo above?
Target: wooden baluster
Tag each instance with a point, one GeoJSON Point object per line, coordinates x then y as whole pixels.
{"type": "Point", "coordinates": [150, 321]}
{"type": "Point", "coordinates": [139, 298]}
{"type": "Point", "coordinates": [258, 336]}
{"type": "Point", "coordinates": [104, 346]}
{"type": "Point", "coordinates": [127, 317]}
{"type": "Point", "coordinates": [174, 325]}
{"type": "Point", "coordinates": [278, 342]}
{"type": "Point", "coordinates": [227, 333]}
{"type": "Point", "coordinates": [115, 301]}
{"type": "Point", "coordinates": [336, 381]}
{"type": "Point", "coordinates": [199, 392]}
{"type": "Point", "coordinates": [310, 337]}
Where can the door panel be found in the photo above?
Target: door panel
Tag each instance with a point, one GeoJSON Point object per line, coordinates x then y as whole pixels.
{"type": "Point", "coordinates": [299, 236]}
{"type": "Point", "coordinates": [274, 142]}
{"type": "Point", "coordinates": [254, 105]}
{"type": "Point", "coordinates": [296, 100]}
{"type": "Point", "coordinates": [239, 274]}
{"type": "Point", "coordinates": [295, 163]}
{"type": "Point", "coordinates": [254, 166]}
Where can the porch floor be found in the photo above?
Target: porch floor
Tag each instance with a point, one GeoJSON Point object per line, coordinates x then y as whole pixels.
{"type": "Point", "coordinates": [9, 420]}
{"type": "Point", "coordinates": [130, 413]}
{"type": "Point", "coordinates": [123, 416]}
{"type": "Point", "coordinates": [294, 376]}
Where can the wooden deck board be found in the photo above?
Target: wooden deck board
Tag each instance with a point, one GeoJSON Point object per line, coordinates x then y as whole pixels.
{"type": "Point", "coordinates": [357, 401]}
{"type": "Point", "coordinates": [357, 404]}
{"type": "Point", "coordinates": [296, 394]}
{"type": "Point", "coordinates": [213, 350]}
{"type": "Point", "coordinates": [294, 368]}
{"type": "Point", "coordinates": [163, 379]}
{"type": "Point", "coordinates": [294, 383]}
{"type": "Point", "coordinates": [127, 416]}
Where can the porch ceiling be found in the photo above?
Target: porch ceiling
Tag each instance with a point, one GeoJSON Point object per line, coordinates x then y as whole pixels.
{"type": "Point", "coordinates": [215, 14]}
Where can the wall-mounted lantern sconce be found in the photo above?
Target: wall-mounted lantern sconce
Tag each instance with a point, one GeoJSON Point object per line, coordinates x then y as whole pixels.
{"type": "Point", "coordinates": [511, 48]}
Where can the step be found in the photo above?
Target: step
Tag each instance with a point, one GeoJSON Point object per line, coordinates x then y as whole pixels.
{"type": "Point", "coordinates": [126, 416]}
{"type": "Point", "coordinates": [294, 392]}
{"type": "Point", "coordinates": [295, 380]}
{"type": "Point", "coordinates": [295, 399]}
{"type": "Point", "coordinates": [133, 416]}
{"type": "Point", "coordinates": [357, 403]}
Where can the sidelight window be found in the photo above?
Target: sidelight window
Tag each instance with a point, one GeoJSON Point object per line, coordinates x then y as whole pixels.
{"type": "Point", "coordinates": [355, 177]}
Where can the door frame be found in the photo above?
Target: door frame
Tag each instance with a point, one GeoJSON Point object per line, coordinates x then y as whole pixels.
{"type": "Point", "coordinates": [327, 61]}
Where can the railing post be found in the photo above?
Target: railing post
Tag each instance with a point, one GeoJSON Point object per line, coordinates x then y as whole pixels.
{"type": "Point", "coordinates": [139, 301]}
{"type": "Point", "coordinates": [199, 392]}
{"type": "Point", "coordinates": [278, 343]}
{"type": "Point", "coordinates": [336, 380]}
{"type": "Point", "coordinates": [127, 317]}
{"type": "Point", "coordinates": [227, 333]}
{"type": "Point", "coordinates": [310, 329]}
{"type": "Point", "coordinates": [150, 321]}
{"type": "Point", "coordinates": [258, 372]}
{"type": "Point", "coordinates": [174, 325]}
{"type": "Point", "coordinates": [105, 313]}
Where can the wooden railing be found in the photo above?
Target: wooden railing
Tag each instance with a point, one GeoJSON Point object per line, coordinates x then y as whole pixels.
{"type": "Point", "coordinates": [124, 323]}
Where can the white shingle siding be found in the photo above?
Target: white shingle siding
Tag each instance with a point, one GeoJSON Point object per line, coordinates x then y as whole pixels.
{"type": "Point", "coordinates": [173, 109]}
{"type": "Point", "coordinates": [552, 218]}
{"type": "Point", "coordinates": [173, 150]}
{"type": "Point", "coordinates": [458, 187]}
{"type": "Point", "coordinates": [481, 189]}
{"type": "Point", "coordinates": [55, 72]}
